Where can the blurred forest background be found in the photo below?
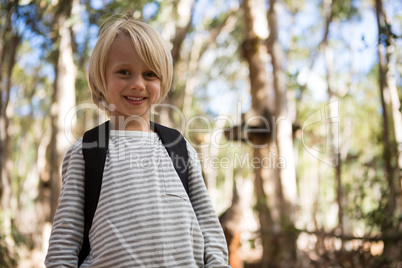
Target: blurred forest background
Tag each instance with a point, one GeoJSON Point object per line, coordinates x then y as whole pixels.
{"type": "Point", "coordinates": [293, 106]}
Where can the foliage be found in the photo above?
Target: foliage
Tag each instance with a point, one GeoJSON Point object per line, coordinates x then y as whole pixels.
{"type": "Point", "coordinates": [9, 255]}
{"type": "Point", "coordinates": [344, 9]}
{"type": "Point", "coordinates": [7, 259]}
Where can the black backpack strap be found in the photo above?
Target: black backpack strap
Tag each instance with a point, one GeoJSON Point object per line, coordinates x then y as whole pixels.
{"type": "Point", "coordinates": [95, 144]}
{"type": "Point", "coordinates": [176, 147]}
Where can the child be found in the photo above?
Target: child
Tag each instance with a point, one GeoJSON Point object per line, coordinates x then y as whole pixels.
{"type": "Point", "coordinates": [144, 217]}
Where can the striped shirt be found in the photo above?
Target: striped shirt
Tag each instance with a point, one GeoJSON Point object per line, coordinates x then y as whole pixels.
{"type": "Point", "coordinates": [144, 216]}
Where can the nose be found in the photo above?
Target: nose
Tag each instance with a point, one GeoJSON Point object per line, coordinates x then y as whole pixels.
{"type": "Point", "coordinates": [137, 82]}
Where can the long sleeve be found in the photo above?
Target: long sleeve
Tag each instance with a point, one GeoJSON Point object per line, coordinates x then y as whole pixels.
{"type": "Point", "coordinates": [68, 225]}
{"type": "Point", "coordinates": [215, 248]}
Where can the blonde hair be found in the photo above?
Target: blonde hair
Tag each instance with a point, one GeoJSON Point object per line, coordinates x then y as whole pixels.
{"type": "Point", "coordinates": [148, 43]}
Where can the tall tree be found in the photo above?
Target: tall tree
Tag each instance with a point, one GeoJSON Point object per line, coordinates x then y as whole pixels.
{"type": "Point", "coordinates": [9, 44]}
{"type": "Point", "coordinates": [63, 99]}
{"type": "Point", "coordinates": [256, 55]}
{"type": "Point", "coordinates": [284, 138]}
{"type": "Point", "coordinates": [333, 110]}
{"type": "Point", "coordinates": [389, 101]}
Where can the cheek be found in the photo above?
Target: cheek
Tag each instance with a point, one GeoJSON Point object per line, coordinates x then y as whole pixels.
{"type": "Point", "coordinates": [113, 89]}
{"type": "Point", "coordinates": [115, 85]}
{"type": "Point", "coordinates": [156, 92]}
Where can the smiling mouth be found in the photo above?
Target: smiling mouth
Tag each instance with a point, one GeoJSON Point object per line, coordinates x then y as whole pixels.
{"type": "Point", "coordinates": [134, 99]}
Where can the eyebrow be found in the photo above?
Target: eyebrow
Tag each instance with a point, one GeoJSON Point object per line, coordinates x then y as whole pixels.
{"type": "Point", "coordinates": [121, 65]}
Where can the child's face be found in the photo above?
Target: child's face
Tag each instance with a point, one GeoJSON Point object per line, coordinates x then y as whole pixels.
{"type": "Point", "coordinates": [130, 85]}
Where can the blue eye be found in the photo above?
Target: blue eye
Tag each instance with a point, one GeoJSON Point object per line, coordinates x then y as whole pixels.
{"type": "Point", "coordinates": [150, 74]}
{"type": "Point", "coordinates": [124, 72]}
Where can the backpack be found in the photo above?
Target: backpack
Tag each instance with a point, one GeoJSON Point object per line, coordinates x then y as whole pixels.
{"type": "Point", "coordinates": [95, 145]}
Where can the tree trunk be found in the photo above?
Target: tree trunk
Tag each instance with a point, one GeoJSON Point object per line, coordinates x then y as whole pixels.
{"type": "Point", "coordinates": [175, 30]}
{"type": "Point", "coordinates": [9, 45]}
{"type": "Point", "coordinates": [397, 121]}
{"type": "Point", "coordinates": [6, 162]}
{"type": "Point", "coordinates": [62, 101]}
{"type": "Point", "coordinates": [231, 221]}
{"type": "Point", "coordinates": [8, 50]}
{"type": "Point", "coordinates": [332, 115]}
{"type": "Point", "coordinates": [192, 80]}
{"type": "Point", "coordinates": [334, 134]}
{"type": "Point", "coordinates": [384, 31]}
{"type": "Point", "coordinates": [256, 54]}
{"type": "Point", "coordinates": [395, 112]}
{"type": "Point", "coordinates": [284, 141]}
